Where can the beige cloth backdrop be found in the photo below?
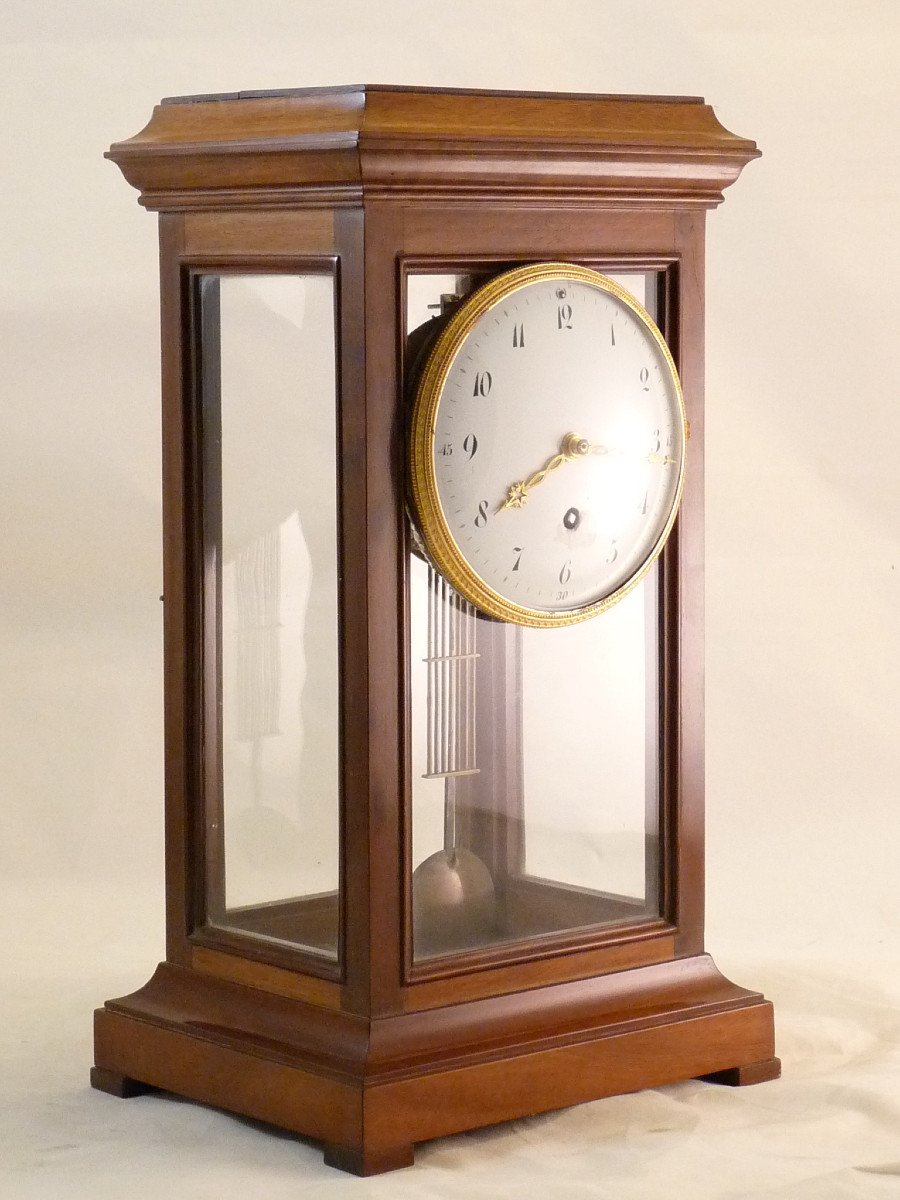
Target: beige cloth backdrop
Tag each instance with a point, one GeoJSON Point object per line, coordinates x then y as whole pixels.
{"type": "Point", "coordinates": [803, 593]}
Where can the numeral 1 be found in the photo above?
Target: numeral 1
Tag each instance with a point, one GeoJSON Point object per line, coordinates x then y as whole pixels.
{"type": "Point", "coordinates": [564, 316]}
{"type": "Point", "coordinates": [518, 337]}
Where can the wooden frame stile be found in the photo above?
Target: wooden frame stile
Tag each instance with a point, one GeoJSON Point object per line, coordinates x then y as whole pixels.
{"type": "Point", "coordinates": [182, 550]}
{"type": "Point", "coordinates": [685, 611]}
{"type": "Point", "coordinates": [355, 611]}
{"type": "Point", "coordinates": [385, 494]}
{"type": "Point", "coordinates": [376, 1052]}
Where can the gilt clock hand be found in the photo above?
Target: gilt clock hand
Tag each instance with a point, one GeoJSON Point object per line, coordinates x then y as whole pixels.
{"type": "Point", "coordinates": [572, 446]}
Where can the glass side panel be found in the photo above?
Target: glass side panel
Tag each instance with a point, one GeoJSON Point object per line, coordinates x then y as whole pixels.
{"type": "Point", "coordinates": [535, 752]}
{"type": "Point", "coordinates": [269, 421]}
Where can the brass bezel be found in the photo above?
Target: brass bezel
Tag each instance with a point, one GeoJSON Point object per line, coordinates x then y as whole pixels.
{"type": "Point", "coordinates": [440, 544]}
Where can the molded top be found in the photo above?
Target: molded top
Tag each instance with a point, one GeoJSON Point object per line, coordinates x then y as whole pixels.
{"type": "Point", "coordinates": [341, 88]}
{"type": "Point", "coordinates": [345, 144]}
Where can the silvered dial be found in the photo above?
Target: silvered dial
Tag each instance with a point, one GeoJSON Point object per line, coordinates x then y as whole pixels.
{"type": "Point", "coordinates": [556, 448]}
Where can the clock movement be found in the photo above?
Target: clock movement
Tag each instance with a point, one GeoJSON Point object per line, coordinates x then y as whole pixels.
{"type": "Point", "coordinates": [433, 578]}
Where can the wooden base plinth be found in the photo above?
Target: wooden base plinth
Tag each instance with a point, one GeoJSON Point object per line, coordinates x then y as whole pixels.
{"type": "Point", "coordinates": [371, 1089]}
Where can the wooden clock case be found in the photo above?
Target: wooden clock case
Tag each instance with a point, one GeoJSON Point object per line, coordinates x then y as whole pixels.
{"type": "Point", "coordinates": [375, 1053]}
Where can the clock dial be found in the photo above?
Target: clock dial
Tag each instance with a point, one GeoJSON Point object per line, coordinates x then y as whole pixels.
{"type": "Point", "coordinates": [548, 445]}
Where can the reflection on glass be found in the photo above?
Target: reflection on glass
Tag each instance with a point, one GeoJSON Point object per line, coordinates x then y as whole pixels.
{"type": "Point", "coordinates": [535, 798]}
{"type": "Point", "coordinates": [268, 377]}
{"type": "Point", "coordinates": [586, 725]}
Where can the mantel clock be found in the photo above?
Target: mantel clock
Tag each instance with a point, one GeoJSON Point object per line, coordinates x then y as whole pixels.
{"type": "Point", "coordinates": [433, 581]}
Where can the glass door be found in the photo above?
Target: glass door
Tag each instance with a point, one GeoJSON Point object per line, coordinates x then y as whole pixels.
{"type": "Point", "coordinates": [535, 753]}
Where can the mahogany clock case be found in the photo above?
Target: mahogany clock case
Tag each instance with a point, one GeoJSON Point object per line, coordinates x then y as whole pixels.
{"type": "Point", "coordinates": [370, 1049]}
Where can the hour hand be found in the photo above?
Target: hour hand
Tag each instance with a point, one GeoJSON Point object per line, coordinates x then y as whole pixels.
{"type": "Point", "coordinates": [572, 446]}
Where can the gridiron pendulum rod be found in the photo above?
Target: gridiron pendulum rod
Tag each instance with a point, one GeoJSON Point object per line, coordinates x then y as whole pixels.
{"type": "Point", "coordinates": [429, 664]}
{"type": "Point", "coordinates": [470, 674]}
{"type": "Point", "coordinates": [451, 672]}
{"type": "Point", "coordinates": [454, 756]}
{"type": "Point", "coordinates": [445, 716]}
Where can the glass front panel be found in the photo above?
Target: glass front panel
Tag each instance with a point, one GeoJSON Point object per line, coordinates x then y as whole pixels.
{"type": "Point", "coordinates": [269, 426]}
{"type": "Point", "coordinates": [535, 752]}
